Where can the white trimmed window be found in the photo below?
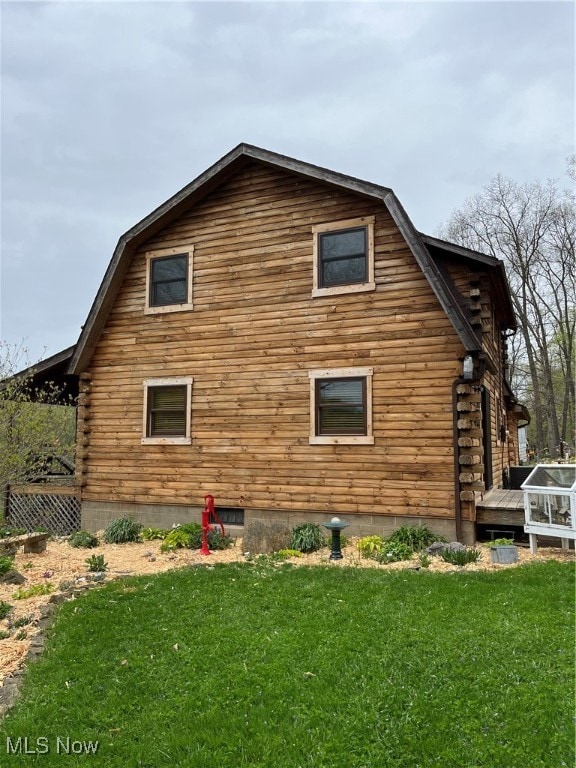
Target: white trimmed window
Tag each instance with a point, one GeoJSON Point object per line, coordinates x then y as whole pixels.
{"type": "Point", "coordinates": [167, 411]}
{"type": "Point", "coordinates": [344, 257]}
{"type": "Point", "coordinates": [341, 406]}
{"type": "Point", "coordinates": [169, 280]}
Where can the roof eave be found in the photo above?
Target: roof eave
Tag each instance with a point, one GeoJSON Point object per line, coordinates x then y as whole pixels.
{"type": "Point", "coordinates": [466, 333]}
{"type": "Point", "coordinates": [497, 272]}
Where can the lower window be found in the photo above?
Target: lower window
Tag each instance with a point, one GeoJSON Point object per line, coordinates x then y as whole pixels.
{"type": "Point", "coordinates": [167, 404]}
{"type": "Point", "coordinates": [341, 406]}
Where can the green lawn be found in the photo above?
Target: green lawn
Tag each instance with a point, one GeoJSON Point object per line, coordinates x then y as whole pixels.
{"type": "Point", "coordinates": [252, 665]}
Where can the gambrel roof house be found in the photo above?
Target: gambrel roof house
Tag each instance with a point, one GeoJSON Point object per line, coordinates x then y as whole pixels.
{"type": "Point", "coordinates": [281, 336]}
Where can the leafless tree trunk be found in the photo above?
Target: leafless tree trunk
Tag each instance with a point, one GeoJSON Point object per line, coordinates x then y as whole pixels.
{"type": "Point", "coordinates": [532, 229]}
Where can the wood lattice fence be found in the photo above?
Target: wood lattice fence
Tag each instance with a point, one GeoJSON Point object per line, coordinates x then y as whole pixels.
{"type": "Point", "coordinates": [51, 507]}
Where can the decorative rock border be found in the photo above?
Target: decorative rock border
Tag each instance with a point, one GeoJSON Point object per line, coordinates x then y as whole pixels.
{"type": "Point", "coordinates": [12, 685]}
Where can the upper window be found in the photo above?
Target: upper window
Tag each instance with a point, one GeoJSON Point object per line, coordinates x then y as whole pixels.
{"type": "Point", "coordinates": [344, 257]}
{"type": "Point", "coordinates": [167, 410]}
{"type": "Point", "coordinates": [169, 280]}
{"type": "Point", "coordinates": [341, 406]}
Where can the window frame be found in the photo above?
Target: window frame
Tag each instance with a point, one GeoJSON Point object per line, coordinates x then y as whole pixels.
{"type": "Point", "coordinates": [173, 381]}
{"type": "Point", "coordinates": [333, 228]}
{"type": "Point", "coordinates": [341, 373]}
{"type": "Point", "coordinates": [163, 253]}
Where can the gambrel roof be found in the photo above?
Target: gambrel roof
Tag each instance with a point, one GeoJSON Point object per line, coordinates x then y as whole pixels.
{"type": "Point", "coordinates": [422, 247]}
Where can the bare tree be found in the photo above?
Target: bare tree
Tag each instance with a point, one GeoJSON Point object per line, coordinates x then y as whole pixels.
{"type": "Point", "coordinates": [532, 228]}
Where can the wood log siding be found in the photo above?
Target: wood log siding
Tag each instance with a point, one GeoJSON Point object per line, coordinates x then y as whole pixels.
{"type": "Point", "coordinates": [476, 287]}
{"type": "Point", "coordinates": [249, 343]}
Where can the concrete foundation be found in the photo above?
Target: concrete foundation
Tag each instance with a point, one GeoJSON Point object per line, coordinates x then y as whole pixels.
{"type": "Point", "coordinates": [97, 514]}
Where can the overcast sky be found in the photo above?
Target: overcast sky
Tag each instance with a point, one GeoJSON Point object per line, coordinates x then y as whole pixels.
{"type": "Point", "coordinates": [110, 108]}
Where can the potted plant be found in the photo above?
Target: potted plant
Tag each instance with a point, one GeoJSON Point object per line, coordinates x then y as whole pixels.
{"type": "Point", "coordinates": [503, 551]}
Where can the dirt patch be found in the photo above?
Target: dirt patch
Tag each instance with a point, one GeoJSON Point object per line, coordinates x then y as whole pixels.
{"type": "Point", "coordinates": [64, 569]}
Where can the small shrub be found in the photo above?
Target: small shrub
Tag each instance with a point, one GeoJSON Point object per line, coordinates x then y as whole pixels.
{"type": "Point", "coordinates": [190, 535]}
{"type": "Point", "coordinates": [35, 591]}
{"type": "Point", "coordinates": [370, 546]}
{"type": "Point", "coordinates": [21, 635]}
{"type": "Point", "coordinates": [194, 531]}
{"type": "Point", "coordinates": [461, 556]}
{"type": "Point", "coordinates": [122, 530]}
{"type": "Point", "coordinates": [501, 543]}
{"type": "Point", "coordinates": [178, 538]}
{"type": "Point", "coordinates": [4, 635]}
{"type": "Point", "coordinates": [83, 539]}
{"type": "Point", "coordinates": [218, 540]}
{"type": "Point", "coordinates": [6, 562]}
{"type": "Point", "coordinates": [306, 537]}
{"type": "Point", "coordinates": [149, 534]}
{"type": "Point", "coordinates": [264, 538]}
{"type": "Point", "coordinates": [417, 537]}
{"type": "Point", "coordinates": [5, 609]}
{"type": "Point", "coordinates": [393, 552]}
{"type": "Point", "coordinates": [96, 563]}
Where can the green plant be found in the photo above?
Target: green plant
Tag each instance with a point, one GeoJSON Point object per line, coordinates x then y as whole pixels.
{"type": "Point", "coordinates": [424, 560]}
{"type": "Point", "coordinates": [5, 609]}
{"type": "Point", "coordinates": [149, 534]}
{"type": "Point", "coordinates": [34, 591]}
{"type": "Point", "coordinates": [23, 621]}
{"type": "Point", "coordinates": [4, 635]}
{"type": "Point", "coordinates": [417, 537]}
{"type": "Point", "coordinates": [190, 535]}
{"type": "Point", "coordinates": [96, 563]}
{"type": "Point", "coordinates": [461, 556]}
{"type": "Point", "coordinates": [501, 543]}
{"type": "Point", "coordinates": [194, 530]}
{"type": "Point", "coordinates": [6, 562]}
{"type": "Point", "coordinates": [218, 540]}
{"type": "Point", "coordinates": [83, 539]}
{"type": "Point", "coordinates": [178, 538]}
{"type": "Point", "coordinates": [21, 635]}
{"type": "Point", "coordinates": [394, 551]}
{"type": "Point", "coordinates": [285, 553]}
{"type": "Point", "coordinates": [370, 546]}
{"type": "Point", "coordinates": [306, 537]}
{"type": "Point", "coordinates": [122, 530]}
{"type": "Point", "coordinates": [7, 532]}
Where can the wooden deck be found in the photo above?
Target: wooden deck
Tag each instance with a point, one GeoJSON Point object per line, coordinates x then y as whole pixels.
{"type": "Point", "coordinates": [501, 507]}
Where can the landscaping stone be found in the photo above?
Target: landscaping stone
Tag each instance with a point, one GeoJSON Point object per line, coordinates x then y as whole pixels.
{"type": "Point", "coordinates": [438, 547]}
{"type": "Point", "coordinates": [12, 577]}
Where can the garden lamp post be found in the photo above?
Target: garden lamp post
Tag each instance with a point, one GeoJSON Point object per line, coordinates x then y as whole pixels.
{"type": "Point", "coordinates": [336, 525]}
